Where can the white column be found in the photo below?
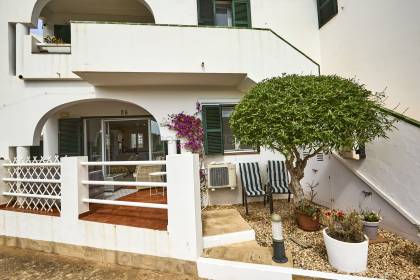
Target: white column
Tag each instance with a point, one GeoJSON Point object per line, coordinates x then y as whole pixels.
{"type": "Point", "coordinates": [22, 153]}
{"type": "Point", "coordinates": [21, 31]}
{"type": "Point", "coordinates": [3, 186]}
{"type": "Point", "coordinates": [72, 190]}
{"type": "Point", "coordinates": [50, 137]}
{"type": "Point", "coordinates": [184, 206]}
{"type": "Point", "coordinates": [172, 149]}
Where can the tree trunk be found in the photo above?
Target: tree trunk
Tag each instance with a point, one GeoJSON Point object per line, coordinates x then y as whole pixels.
{"type": "Point", "coordinates": [296, 189]}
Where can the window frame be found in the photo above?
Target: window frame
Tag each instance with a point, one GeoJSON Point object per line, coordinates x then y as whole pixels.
{"type": "Point", "coordinates": [224, 151]}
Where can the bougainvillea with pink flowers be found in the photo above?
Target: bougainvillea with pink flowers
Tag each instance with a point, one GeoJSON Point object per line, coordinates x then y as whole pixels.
{"type": "Point", "coordinates": [190, 128]}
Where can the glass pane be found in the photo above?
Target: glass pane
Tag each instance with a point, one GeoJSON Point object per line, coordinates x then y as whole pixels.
{"type": "Point", "coordinates": [127, 140]}
{"type": "Point", "coordinates": [228, 139]}
{"type": "Point", "coordinates": [223, 14]}
{"type": "Point", "coordinates": [158, 149]}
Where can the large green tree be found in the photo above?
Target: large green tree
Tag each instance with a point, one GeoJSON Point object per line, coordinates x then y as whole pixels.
{"type": "Point", "coordinates": [295, 114]}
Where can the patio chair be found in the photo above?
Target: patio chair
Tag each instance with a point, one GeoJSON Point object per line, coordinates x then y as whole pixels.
{"type": "Point", "coordinates": [278, 177]}
{"type": "Point", "coordinates": [251, 184]}
{"type": "Point", "coordinates": [142, 174]}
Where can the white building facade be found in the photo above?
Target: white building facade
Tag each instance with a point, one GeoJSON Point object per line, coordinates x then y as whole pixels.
{"type": "Point", "coordinates": [123, 66]}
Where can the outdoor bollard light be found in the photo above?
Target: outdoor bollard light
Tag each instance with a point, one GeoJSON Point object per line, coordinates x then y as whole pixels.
{"type": "Point", "coordinates": [279, 254]}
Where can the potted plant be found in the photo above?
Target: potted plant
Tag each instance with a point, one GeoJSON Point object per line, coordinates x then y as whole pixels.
{"type": "Point", "coordinates": [54, 44]}
{"type": "Point", "coordinates": [307, 213]}
{"type": "Point", "coordinates": [346, 244]}
{"type": "Point", "coordinates": [371, 220]}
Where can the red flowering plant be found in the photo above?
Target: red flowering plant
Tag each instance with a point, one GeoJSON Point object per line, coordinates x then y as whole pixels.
{"type": "Point", "coordinates": [344, 226]}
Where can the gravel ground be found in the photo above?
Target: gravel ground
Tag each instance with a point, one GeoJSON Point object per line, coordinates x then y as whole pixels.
{"type": "Point", "coordinates": [396, 259]}
{"type": "Point", "coordinates": [18, 264]}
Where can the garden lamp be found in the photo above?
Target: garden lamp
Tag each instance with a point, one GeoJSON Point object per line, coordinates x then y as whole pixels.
{"type": "Point", "coordinates": [279, 254]}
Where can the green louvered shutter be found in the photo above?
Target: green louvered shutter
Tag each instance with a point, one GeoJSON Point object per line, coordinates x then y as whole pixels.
{"type": "Point", "coordinates": [70, 137]}
{"type": "Point", "coordinates": [241, 13]}
{"type": "Point", "coordinates": [212, 122]}
{"type": "Point", "coordinates": [205, 12]}
{"type": "Point", "coordinates": [327, 9]}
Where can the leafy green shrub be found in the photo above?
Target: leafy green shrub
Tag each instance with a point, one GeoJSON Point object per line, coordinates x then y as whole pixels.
{"type": "Point", "coordinates": [371, 216]}
{"type": "Point", "coordinates": [295, 114]}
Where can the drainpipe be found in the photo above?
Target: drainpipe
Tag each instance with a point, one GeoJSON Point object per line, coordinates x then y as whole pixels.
{"type": "Point", "coordinates": [21, 31]}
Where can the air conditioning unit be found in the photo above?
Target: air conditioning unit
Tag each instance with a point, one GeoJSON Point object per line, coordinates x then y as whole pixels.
{"type": "Point", "coordinates": [221, 175]}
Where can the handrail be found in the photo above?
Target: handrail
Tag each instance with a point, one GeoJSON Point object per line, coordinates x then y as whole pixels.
{"type": "Point", "coordinates": [124, 163]}
{"type": "Point", "coordinates": [387, 198]}
{"type": "Point", "coordinates": [125, 183]}
{"type": "Point", "coordinates": [126, 203]}
{"type": "Point", "coordinates": [27, 180]}
{"type": "Point", "coordinates": [27, 164]}
{"type": "Point", "coordinates": [32, 195]}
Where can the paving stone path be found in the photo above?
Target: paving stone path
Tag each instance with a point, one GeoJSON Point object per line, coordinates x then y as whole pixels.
{"type": "Point", "coordinates": [25, 264]}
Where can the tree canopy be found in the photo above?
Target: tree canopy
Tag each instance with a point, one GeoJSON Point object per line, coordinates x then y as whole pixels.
{"type": "Point", "coordinates": [311, 113]}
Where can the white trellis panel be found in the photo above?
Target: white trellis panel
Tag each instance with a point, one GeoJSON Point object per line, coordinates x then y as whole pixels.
{"type": "Point", "coordinates": [34, 184]}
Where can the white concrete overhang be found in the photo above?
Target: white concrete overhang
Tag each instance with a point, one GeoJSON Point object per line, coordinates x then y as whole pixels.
{"type": "Point", "coordinates": [236, 80]}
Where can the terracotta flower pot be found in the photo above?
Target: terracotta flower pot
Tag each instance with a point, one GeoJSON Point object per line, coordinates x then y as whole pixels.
{"type": "Point", "coordinates": [307, 223]}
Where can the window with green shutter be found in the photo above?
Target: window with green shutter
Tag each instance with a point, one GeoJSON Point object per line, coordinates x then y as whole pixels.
{"type": "Point", "coordinates": [212, 123]}
{"type": "Point", "coordinates": [327, 9]}
{"type": "Point", "coordinates": [219, 138]}
{"type": "Point", "coordinates": [224, 13]}
{"type": "Point", "coordinates": [205, 12]}
{"type": "Point", "coordinates": [70, 137]}
{"type": "Point", "coordinates": [241, 13]}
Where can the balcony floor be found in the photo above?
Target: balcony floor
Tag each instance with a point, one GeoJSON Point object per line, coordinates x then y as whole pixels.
{"type": "Point", "coordinates": [131, 216]}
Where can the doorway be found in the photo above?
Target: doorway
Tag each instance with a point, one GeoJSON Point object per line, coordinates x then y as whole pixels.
{"type": "Point", "coordinates": [124, 139]}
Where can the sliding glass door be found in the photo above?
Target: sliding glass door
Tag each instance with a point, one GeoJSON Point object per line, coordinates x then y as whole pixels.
{"type": "Point", "coordinates": [122, 139]}
{"type": "Point", "coordinates": [127, 140]}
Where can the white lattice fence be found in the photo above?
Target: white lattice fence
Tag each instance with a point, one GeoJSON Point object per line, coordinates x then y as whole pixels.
{"type": "Point", "coordinates": [34, 184]}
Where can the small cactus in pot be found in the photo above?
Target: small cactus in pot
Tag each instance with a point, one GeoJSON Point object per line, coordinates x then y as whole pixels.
{"type": "Point", "coordinates": [371, 221]}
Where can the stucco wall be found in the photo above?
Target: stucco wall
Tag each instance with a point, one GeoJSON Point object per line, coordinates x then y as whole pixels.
{"type": "Point", "coordinates": [296, 21]}
{"type": "Point", "coordinates": [339, 188]}
{"type": "Point", "coordinates": [377, 42]}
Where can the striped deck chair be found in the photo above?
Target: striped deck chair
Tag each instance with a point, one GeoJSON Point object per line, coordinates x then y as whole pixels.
{"type": "Point", "coordinates": [251, 184]}
{"type": "Point", "coordinates": [278, 177]}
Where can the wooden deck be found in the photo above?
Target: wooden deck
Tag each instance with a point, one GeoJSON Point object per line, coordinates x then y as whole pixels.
{"type": "Point", "coordinates": [54, 212]}
{"type": "Point", "coordinates": [131, 216]}
{"type": "Point", "coordinates": [119, 215]}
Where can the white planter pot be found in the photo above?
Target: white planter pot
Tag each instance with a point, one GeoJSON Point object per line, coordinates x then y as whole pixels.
{"type": "Point", "coordinates": [345, 256]}
{"type": "Point", "coordinates": [371, 229]}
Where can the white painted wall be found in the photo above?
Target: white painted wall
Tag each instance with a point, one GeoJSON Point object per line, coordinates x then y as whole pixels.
{"type": "Point", "coordinates": [258, 53]}
{"type": "Point", "coordinates": [339, 188]}
{"type": "Point", "coordinates": [392, 169]}
{"type": "Point", "coordinates": [296, 21]}
{"type": "Point", "coordinates": [377, 42]}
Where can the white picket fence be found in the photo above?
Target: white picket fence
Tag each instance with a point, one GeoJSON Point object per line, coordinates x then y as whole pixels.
{"type": "Point", "coordinates": [34, 184]}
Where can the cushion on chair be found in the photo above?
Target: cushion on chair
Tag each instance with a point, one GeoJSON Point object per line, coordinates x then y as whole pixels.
{"type": "Point", "coordinates": [251, 179]}
{"type": "Point", "coordinates": [278, 177]}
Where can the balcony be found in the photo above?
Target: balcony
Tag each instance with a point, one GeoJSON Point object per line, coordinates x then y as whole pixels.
{"type": "Point", "coordinates": [103, 51]}
{"type": "Point", "coordinates": [46, 62]}
{"type": "Point", "coordinates": [109, 54]}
